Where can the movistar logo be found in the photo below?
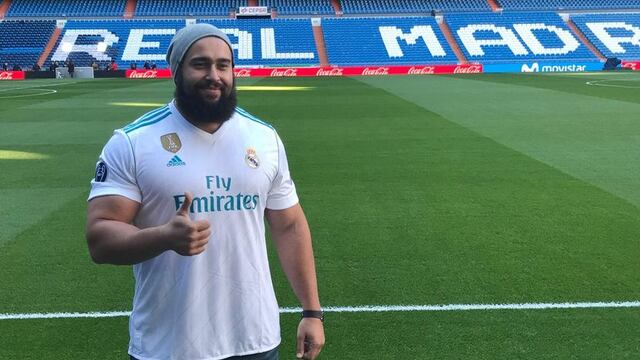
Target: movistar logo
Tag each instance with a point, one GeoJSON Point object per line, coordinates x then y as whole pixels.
{"type": "Point", "coordinates": [176, 161]}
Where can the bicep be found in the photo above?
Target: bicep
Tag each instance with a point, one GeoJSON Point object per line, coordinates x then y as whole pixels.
{"type": "Point", "coordinates": [109, 226]}
{"type": "Point", "coordinates": [111, 207]}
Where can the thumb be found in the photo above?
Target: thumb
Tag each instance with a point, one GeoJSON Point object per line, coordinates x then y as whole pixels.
{"type": "Point", "coordinates": [184, 209]}
{"type": "Point", "coordinates": [300, 347]}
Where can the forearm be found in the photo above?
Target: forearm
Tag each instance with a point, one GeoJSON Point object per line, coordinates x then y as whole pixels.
{"type": "Point", "coordinates": [296, 257]}
{"type": "Point", "coordinates": [118, 243]}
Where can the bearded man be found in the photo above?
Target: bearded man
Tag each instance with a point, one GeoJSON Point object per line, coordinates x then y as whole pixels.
{"type": "Point", "coordinates": [181, 194]}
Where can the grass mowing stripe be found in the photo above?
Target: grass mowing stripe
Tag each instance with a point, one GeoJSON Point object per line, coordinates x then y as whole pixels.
{"type": "Point", "coordinates": [590, 138]}
{"type": "Point", "coordinates": [18, 210]}
{"type": "Point", "coordinates": [368, 308]}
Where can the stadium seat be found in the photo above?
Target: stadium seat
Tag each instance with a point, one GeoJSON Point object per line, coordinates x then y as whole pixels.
{"type": "Point", "coordinates": [386, 41]}
{"type": "Point", "coordinates": [301, 7]}
{"type": "Point", "coordinates": [516, 37]}
{"type": "Point", "coordinates": [264, 42]}
{"type": "Point", "coordinates": [187, 7]}
{"type": "Point", "coordinates": [411, 6]}
{"type": "Point", "coordinates": [615, 35]}
{"type": "Point", "coordinates": [24, 40]}
{"type": "Point", "coordinates": [66, 8]}
{"type": "Point", "coordinates": [569, 4]}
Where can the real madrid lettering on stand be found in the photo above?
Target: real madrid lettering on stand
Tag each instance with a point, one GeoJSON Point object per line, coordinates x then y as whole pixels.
{"type": "Point", "coordinates": [217, 200]}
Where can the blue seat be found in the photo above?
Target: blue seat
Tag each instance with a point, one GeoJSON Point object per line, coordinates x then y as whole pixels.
{"type": "Point", "coordinates": [360, 41]}
{"type": "Point", "coordinates": [612, 34]}
{"type": "Point", "coordinates": [63, 8]}
{"type": "Point", "coordinates": [25, 41]}
{"type": "Point", "coordinates": [475, 33]}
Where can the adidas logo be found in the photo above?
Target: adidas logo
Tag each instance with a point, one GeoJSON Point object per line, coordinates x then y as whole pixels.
{"type": "Point", "coordinates": [176, 161]}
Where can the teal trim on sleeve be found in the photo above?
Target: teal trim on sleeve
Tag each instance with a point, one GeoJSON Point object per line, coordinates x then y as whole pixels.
{"type": "Point", "coordinates": [147, 123]}
{"type": "Point", "coordinates": [148, 116]}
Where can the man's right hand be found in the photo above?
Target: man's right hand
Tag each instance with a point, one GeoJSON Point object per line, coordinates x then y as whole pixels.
{"type": "Point", "coordinates": [185, 236]}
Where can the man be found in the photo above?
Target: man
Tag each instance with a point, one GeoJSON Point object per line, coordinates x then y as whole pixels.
{"type": "Point", "coordinates": [182, 193]}
{"type": "Point", "coordinates": [71, 67]}
{"type": "Point", "coordinates": [113, 65]}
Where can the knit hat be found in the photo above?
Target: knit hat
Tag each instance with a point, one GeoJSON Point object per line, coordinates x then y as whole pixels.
{"type": "Point", "coordinates": [185, 37]}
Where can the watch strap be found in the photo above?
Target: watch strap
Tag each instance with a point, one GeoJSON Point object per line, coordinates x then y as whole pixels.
{"type": "Point", "coordinates": [318, 314]}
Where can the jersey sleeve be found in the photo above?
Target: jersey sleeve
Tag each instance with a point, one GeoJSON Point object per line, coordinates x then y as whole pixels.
{"type": "Point", "coordinates": [115, 170]}
{"type": "Point", "coordinates": [282, 194]}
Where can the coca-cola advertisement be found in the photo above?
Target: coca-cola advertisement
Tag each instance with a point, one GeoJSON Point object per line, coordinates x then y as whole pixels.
{"type": "Point", "coordinates": [240, 73]}
{"type": "Point", "coordinates": [11, 75]}
{"type": "Point", "coordinates": [328, 71]}
{"type": "Point", "coordinates": [335, 71]}
{"type": "Point", "coordinates": [468, 69]}
{"type": "Point", "coordinates": [363, 70]}
{"type": "Point", "coordinates": [375, 71]}
{"type": "Point", "coordinates": [148, 74]}
{"type": "Point", "coordinates": [287, 72]}
{"type": "Point", "coordinates": [633, 65]}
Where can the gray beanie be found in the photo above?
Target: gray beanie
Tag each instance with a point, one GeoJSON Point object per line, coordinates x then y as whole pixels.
{"type": "Point", "coordinates": [185, 37]}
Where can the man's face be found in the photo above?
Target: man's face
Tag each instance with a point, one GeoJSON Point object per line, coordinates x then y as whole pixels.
{"type": "Point", "coordinates": [205, 84]}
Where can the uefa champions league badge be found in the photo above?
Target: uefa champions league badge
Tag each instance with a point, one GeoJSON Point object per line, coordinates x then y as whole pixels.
{"type": "Point", "coordinates": [171, 142]}
{"type": "Point", "coordinates": [101, 172]}
{"type": "Point", "coordinates": [252, 158]}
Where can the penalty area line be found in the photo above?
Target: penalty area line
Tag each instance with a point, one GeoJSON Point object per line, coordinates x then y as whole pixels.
{"type": "Point", "coordinates": [364, 308]}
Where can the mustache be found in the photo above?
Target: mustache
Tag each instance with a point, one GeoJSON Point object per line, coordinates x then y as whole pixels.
{"type": "Point", "coordinates": [206, 84]}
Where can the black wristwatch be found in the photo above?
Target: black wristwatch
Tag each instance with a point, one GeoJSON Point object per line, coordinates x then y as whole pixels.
{"type": "Point", "coordinates": [318, 314]}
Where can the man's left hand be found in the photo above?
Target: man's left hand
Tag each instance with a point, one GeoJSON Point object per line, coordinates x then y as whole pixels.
{"type": "Point", "coordinates": [310, 338]}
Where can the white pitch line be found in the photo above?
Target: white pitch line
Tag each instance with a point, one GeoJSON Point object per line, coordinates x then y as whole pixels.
{"type": "Point", "coordinates": [366, 308]}
{"type": "Point", "coordinates": [43, 85]}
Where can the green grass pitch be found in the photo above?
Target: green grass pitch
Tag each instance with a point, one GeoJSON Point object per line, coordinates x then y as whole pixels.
{"type": "Point", "coordinates": [475, 189]}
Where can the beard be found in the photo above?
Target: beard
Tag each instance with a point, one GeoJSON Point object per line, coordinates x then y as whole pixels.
{"type": "Point", "coordinates": [197, 108]}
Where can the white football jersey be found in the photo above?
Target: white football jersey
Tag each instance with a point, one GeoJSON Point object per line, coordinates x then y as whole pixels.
{"type": "Point", "coordinates": [219, 303]}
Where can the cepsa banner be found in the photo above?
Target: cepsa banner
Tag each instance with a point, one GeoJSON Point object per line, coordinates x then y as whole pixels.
{"type": "Point", "coordinates": [148, 74]}
{"type": "Point", "coordinates": [359, 70]}
{"type": "Point", "coordinates": [11, 75]}
{"type": "Point", "coordinates": [633, 65]}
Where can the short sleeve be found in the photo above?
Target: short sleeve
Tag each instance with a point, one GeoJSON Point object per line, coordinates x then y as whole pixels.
{"type": "Point", "coordinates": [282, 194]}
{"type": "Point", "coordinates": [115, 170]}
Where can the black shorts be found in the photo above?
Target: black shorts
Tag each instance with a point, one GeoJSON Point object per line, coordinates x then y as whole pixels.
{"type": "Point", "coordinates": [269, 355]}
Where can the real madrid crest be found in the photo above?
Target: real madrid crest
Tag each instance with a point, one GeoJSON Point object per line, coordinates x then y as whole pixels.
{"type": "Point", "coordinates": [171, 142]}
{"type": "Point", "coordinates": [251, 158]}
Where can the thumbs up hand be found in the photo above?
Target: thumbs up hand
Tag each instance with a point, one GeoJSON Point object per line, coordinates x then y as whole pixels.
{"type": "Point", "coordinates": [185, 236]}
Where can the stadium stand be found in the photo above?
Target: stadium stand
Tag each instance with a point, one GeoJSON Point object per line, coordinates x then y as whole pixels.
{"type": "Point", "coordinates": [259, 41]}
{"type": "Point", "coordinates": [66, 8]}
{"type": "Point", "coordinates": [187, 7]}
{"type": "Point", "coordinates": [301, 7]}
{"type": "Point", "coordinates": [615, 35]}
{"type": "Point", "coordinates": [411, 6]}
{"type": "Point", "coordinates": [515, 36]}
{"type": "Point", "coordinates": [569, 4]}
{"type": "Point", "coordinates": [23, 41]}
{"type": "Point", "coordinates": [483, 36]}
{"type": "Point", "coordinates": [267, 42]}
{"type": "Point", "coordinates": [103, 40]}
{"type": "Point", "coordinates": [385, 41]}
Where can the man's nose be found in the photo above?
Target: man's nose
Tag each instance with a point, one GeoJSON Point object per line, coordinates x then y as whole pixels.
{"type": "Point", "coordinates": [213, 74]}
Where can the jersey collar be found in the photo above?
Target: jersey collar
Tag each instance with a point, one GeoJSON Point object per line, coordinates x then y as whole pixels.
{"type": "Point", "coordinates": [194, 130]}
